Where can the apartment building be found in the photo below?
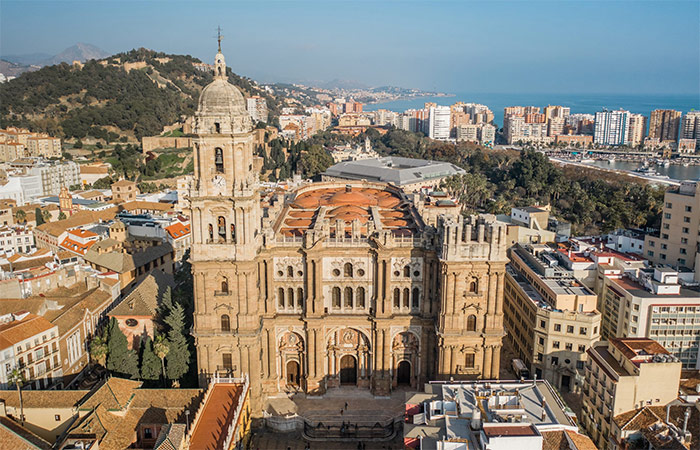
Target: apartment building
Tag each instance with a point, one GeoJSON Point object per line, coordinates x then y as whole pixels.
{"type": "Point", "coordinates": [16, 239]}
{"type": "Point", "coordinates": [439, 122]}
{"type": "Point", "coordinates": [677, 242]}
{"type": "Point", "coordinates": [650, 303]}
{"type": "Point", "coordinates": [257, 108]}
{"type": "Point", "coordinates": [622, 375]}
{"type": "Point", "coordinates": [637, 130]}
{"type": "Point", "coordinates": [550, 317]}
{"type": "Point", "coordinates": [664, 124]}
{"type": "Point", "coordinates": [611, 127]}
{"type": "Point", "coordinates": [690, 126]}
{"type": "Point", "coordinates": [29, 343]}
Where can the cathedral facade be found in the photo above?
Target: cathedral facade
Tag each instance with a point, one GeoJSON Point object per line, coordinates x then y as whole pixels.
{"type": "Point", "coordinates": [332, 284]}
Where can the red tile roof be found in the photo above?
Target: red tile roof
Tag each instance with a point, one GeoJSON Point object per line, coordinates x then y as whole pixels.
{"type": "Point", "coordinates": [178, 230]}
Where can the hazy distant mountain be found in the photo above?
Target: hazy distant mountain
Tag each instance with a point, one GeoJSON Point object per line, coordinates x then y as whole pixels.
{"type": "Point", "coordinates": [79, 52]}
{"type": "Point", "coordinates": [27, 60]}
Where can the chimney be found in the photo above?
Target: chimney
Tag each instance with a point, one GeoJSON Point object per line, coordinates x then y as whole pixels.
{"type": "Point", "coordinates": [544, 409]}
{"type": "Point", "coordinates": [686, 416]}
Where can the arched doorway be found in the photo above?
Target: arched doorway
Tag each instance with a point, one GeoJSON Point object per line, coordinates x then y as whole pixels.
{"type": "Point", "coordinates": [348, 370]}
{"type": "Point", "coordinates": [293, 373]}
{"type": "Point", "coordinates": [403, 373]}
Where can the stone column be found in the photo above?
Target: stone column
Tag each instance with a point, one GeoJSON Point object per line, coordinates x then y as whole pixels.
{"type": "Point", "coordinates": [496, 363]}
{"type": "Point", "coordinates": [486, 370]}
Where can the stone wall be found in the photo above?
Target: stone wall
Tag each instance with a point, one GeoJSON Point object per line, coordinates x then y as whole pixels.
{"type": "Point", "coordinates": [155, 142]}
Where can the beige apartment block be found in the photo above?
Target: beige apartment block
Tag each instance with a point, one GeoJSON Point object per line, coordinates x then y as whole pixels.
{"type": "Point", "coordinates": [550, 317]}
{"type": "Point", "coordinates": [622, 375]}
{"type": "Point", "coordinates": [677, 241]}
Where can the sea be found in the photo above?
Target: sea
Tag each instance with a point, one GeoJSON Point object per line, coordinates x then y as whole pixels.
{"type": "Point", "coordinates": [579, 103]}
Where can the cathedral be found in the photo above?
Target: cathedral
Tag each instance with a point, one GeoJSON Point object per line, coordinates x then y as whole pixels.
{"type": "Point", "coordinates": [332, 284]}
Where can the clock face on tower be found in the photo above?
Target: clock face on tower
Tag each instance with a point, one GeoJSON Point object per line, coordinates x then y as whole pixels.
{"type": "Point", "coordinates": [219, 184]}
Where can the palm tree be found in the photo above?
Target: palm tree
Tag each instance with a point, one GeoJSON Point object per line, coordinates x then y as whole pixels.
{"type": "Point", "coordinates": [161, 348]}
{"type": "Point", "coordinates": [46, 215]}
{"type": "Point", "coordinates": [20, 215]}
{"type": "Point", "coordinates": [98, 350]}
{"type": "Point", "coordinates": [17, 378]}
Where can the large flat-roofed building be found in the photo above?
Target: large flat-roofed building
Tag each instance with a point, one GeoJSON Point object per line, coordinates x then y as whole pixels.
{"type": "Point", "coordinates": [526, 415]}
{"type": "Point", "coordinates": [651, 303]}
{"type": "Point", "coordinates": [623, 375]}
{"type": "Point", "coordinates": [550, 316]}
{"type": "Point", "coordinates": [407, 173]}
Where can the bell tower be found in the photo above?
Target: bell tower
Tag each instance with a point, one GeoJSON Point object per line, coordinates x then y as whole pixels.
{"type": "Point", "coordinates": [225, 210]}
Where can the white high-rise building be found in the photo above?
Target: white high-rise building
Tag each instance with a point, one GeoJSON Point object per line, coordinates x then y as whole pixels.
{"type": "Point", "coordinates": [257, 108]}
{"type": "Point", "coordinates": [690, 126]}
{"type": "Point", "coordinates": [611, 127]}
{"type": "Point", "coordinates": [439, 122]}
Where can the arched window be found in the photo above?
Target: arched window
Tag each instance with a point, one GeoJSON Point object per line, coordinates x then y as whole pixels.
{"type": "Point", "coordinates": [348, 297]}
{"type": "Point", "coordinates": [473, 285]}
{"type": "Point", "coordinates": [290, 271]}
{"type": "Point", "coordinates": [290, 297]}
{"type": "Point", "coordinates": [360, 297]}
{"type": "Point", "coordinates": [336, 297]}
{"type": "Point", "coordinates": [347, 270]}
{"type": "Point", "coordinates": [211, 232]}
{"type": "Point", "coordinates": [300, 297]}
{"type": "Point", "coordinates": [219, 160]}
{"type": "Point", "coordinates": [405, 297]}
{"type": "Point", "coordinates": [471, 323]}
{"type": "Point", "coordinates": [415, 298]}
{"type": "Point", "coordinates": [397, 298]}
{"type": "Point", "coordinates": [406, 271]}
{"type": "Point", "coordinates": [221, 222]}
{"type": "Point", "coordinates": [280, 297]}
{"type": "Point", "coordinates": [224, 286]}
{"type": "Point", "coordinates": [217, 126]}
{"type": "Point", "coordinates": [225, 323]}
{"type": "Point", "coordinates": [233, 232]}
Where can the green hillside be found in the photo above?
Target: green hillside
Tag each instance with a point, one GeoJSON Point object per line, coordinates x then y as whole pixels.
{"type": "Point", "coordinates": [104, 100]}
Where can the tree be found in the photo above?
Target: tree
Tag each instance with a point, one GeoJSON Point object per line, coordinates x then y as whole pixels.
{"type": "Point", "coordinates": [314, 161]}
{"type": "Point", "coordinates": [78, 144]}
{"type": "Point", "coordinates": [46, 215]}
{"type": "Point", "coordinates": [120, 359]}
{"type": "Point", "coordinates": [161, 349]}
{"type": "Point", "coordinates": [150, 366]}
{"type": "Point", "coordinates": [21, 216]}
{"type": "Point", "coordinates": [16, 377]}
{"type": "Point", "coordinates": [61, 216]}
{"type": "Point", "coordinates": [178, 357]}
{"type": "Point", "coordinates": [38, 217]}
{"type": "Point", "coordinates": [98, 350]}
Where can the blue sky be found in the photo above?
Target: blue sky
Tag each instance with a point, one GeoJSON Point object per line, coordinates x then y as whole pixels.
{"type": "Point", "coordinates": [630, 46]}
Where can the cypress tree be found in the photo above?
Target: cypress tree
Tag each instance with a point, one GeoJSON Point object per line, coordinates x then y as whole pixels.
{"type": "Point", "coordinates": [150, 363]}
{"type": "Point", "coordinates": [120, 359]}
{"type": "Point", "coordinates": [165, 306]}
{"type": "Point", "coordinates": [178, 359]}
{"type": "Point", "coordinates": [38, 217]}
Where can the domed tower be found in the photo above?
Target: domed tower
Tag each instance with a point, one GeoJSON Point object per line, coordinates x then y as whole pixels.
{"type": "Point", "coordinates": [224, 199]}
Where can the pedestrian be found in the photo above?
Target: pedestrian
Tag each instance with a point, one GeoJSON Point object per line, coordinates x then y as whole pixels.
{"type": "Point", "coordinates": [341, 411]}
{"type": "Point", "coordinates": [346, 406]}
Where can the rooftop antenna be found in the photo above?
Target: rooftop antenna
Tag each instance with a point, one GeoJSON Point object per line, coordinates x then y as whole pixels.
{"type": "Point", "coordinates": [219, 37]}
